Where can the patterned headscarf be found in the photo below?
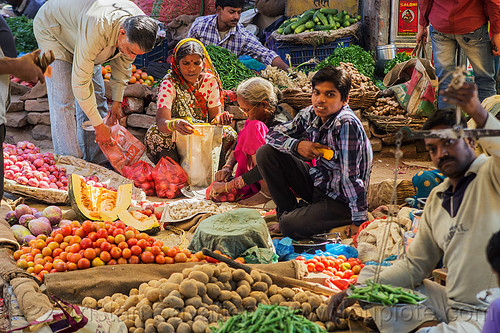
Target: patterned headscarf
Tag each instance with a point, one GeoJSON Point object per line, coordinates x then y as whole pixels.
{"type": "Point", "coordinates": [200, 101]}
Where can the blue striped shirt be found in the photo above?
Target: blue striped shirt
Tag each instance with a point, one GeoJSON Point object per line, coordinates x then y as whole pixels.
{"type": "Point", "coordinates": [238, 40]}
{"type": "Point", "coordinates": [346, 176]}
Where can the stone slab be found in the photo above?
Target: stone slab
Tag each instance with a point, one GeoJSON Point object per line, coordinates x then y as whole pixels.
{"type": "Point", "coordinates": [16, 104]}
{"type": "Point", "coordinates": [41, 105]}
{"type": "Point", "coordinates": [41, 132]}
{"type": "Point", "coordinates": [140, 120]}
{"type": "Point", "coordinates": [17, 119]}
{"type": "Point", "coordinates": [36, 118]}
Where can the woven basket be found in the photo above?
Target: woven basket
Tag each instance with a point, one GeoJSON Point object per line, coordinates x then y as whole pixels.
{"type": "Point", "coordinates": [361, 100]}
{"type": "Point", "coordinates": [393, 124]}
{"type": "Point", "coordinates": [296, 98]}
{"type": "Point", "coordinates": [72, 165]}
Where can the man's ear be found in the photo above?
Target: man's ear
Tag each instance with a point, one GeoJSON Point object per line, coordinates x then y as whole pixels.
{"type": "Point", "coordinates": [471, 142]}
{"type": "Point", "coordinates": [219, 9]}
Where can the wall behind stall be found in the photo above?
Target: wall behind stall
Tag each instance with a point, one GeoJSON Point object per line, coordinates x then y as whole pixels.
{"type": "Point", "coordinates": [294, 7]}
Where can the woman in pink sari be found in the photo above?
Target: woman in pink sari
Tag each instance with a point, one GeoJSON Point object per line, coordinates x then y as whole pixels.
{"type": "Point", "coordinates": [257, 98]}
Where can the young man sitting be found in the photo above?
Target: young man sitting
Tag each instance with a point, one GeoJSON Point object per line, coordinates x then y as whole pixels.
{"type": "Point", "coordinates": [223, 29]}
{"type": "Point", "coordinates": [334, 191]}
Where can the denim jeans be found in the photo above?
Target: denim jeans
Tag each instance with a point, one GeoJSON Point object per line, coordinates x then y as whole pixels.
{"type": "Point", "coordinates": [477, 47]}
{"type": "Point", "coordinates": [66, 116]}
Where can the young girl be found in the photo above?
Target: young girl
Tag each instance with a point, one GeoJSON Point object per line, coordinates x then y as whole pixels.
{"type": "Point", "coordinates": [257, 98]}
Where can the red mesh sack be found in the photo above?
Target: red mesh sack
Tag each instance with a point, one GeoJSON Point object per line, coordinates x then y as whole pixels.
{"type": "Point", "coordinates": [169, 178]}
{"type": "Point", "coordinates": [141, 174]}
{"type": "Point", "coordinates": [230, 196]}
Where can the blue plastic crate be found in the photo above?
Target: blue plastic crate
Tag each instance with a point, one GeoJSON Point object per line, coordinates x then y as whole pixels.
{"type": "Point", "coordinates": [159, 53]}
{"type": "Point", "coordinates": [301, 53]}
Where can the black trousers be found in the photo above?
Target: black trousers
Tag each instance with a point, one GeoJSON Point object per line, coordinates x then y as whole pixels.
{"type": "Point", "coordinates": [288, 178]}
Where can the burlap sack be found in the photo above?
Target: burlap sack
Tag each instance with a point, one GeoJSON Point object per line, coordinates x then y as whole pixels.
{"type": "Point", "coordinates": [32, 302]}
{"type": "Point", "coordinates": [371, 239]}
{"type": "Point", "coordinates": [98, 282]}
{"type": "Point", "coordinates": [271, 8]}
{"type": "Point", "coordinates": [316, 38]}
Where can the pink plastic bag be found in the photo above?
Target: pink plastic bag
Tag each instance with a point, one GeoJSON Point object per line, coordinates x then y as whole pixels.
{"type": "Point", "coordinates": [127, 148]}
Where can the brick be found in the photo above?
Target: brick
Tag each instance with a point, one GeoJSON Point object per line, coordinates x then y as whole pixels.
{"type": "Point", "coordinates": [35, 105]}
{"type": "Point", "coordinates": [39, 90]}
{"type": "Point", "coordinates": [15, 104]}
{"type": "Point", "coordinates": [151, 109]}
{"type": "Point", "coordinates": [376, 144]}
{"type": "Point", "coordinates": [41, 132]}
{"type": "Point", "coordinates": [18, 89]}
{"type": "Point", "coordinates": [140, 120]}
{"type": "Point", "coordinates": [135, 105]}
{"type": "Point", "coordinates": [17, 119]}
{"type": "Point", "coordinates": [236, 112]}
{"type": "Point", "coordinates": [36, 118]}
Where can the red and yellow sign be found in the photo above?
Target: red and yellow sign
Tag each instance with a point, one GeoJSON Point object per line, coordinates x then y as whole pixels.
{"type": "Point", "coordinates": [407, 17]}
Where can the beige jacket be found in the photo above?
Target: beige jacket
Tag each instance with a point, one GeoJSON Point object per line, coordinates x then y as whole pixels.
{"type": "Point", "coordinates": [85, 33]}
{"type": "Point", "coordinates": [461, 240]}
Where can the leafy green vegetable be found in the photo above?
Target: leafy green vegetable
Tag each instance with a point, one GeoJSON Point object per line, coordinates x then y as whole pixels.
{"type": "Point", "coordinates": [400, 57]}
{"type": "Point", "coordinates": [22, 30]}
{"type": "Point", "coordinates": [231, 71]}
{"type": "Point", "coordinates": [355, 54]}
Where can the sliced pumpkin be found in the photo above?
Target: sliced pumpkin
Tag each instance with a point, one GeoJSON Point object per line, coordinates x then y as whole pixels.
{"type": "Point", "coordinates": [141, 222]}
{"type": "Point", "coordinates": [97, 203]}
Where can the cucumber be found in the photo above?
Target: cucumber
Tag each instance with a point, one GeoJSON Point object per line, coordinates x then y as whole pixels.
{"type": "Point", "coordinates": [288, 30]}
{"type": "Point", "coordinates": [346, 17]}
{"type": "Point", "coordinates": [329, 11]}
{"type": "Point", "coordinates": [322, 18]}
{"type": "Point", "coordinates": [358, 17]}
{"type": "Point", "coordinates": [310, 24]}
{"type": "Point", "coordinates": [323, 27]}
{"type": "Point", "coordinates": [337, 25]}
{"type": "Point", "coordinates": [300, 29]}
{"type": "Point", "coordinates": [352, 20]}
{"type": "Point", "coordinates": [302, 20]}
{"type": "Point", "coordinates": [346, 24]}
{"type": "Point", "coordinates": [307, 12]}
{"type": "Point", "coordinates": [315, 17]}
{"type": "Point", "coordinates": [331, 21]}
{"type": "Point", "coordinates": [293, 19]}
{"type": "Point", "coordinates": [284, 24]}
{"type": "Point", "coordinates": [340, 17]}
{"type": "Point", "coordinates": [280, 30]}
{"type": "Point", "coordinates": [344, 12]}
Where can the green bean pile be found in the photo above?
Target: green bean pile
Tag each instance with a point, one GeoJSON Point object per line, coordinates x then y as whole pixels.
{"type": "Point", "coordinates": [383, 293]}
{"type": "Point", "coordinates": [267, 319]}
{"type": "Point", "coordinates": [231, 71]}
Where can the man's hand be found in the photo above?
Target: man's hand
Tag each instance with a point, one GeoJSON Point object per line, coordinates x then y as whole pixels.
{"type": "Point", "coordinates": [25, 68]}
{"type": "Point", "coordinates": [338, 303]}
{"type": "Point", "coordinates": [422, 33]}
{"type": "Point", "coordinates": [466, 98]}
{"type": "Point", "coordinates": [183, 127]}
{"type": "Point", "coordinates": [308, 149]}
{"type": "Point", "coordinates": [217, 188]}
{"type": "Point", "coordinates": [224, 118]}
{"type": "Point", "coordinates": [495, 44]}
{"type": "Point", "coordinates": [115, 114]}
{"type": "Point", "coordinates": [103, 135]}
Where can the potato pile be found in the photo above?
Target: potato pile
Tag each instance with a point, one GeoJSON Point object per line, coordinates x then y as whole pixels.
{"type": "Point", "coordinates": [199, 297]}
{"type": "Point", "coordinates": [387, 106]}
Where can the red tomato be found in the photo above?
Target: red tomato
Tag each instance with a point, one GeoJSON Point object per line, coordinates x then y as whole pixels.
{"type": "Point", "coordinates": [342, 257]}
{"type": "Point", "coordinates": [180, 257]}
{"type": "Point", "coordinates": [147, 257]}
{"type": "Point", "coordinates": [136, 250]}
{"type": "Point", "coordinates": [320, 267]}
{"type": "Point", "coordinates": [83, 262]}
{"type": "Point", "coordinates": [133, 260]}
{"type": "Point", "coordinates": [85, 243]}
{"type": "Point", "coordinates": [301, 258]}
{"type": "Point", "coordinates": [347, 274]}
{"type": "Point", "coordinates": [171, 252]}
{"type": "Point", "coordinates": [116, 252]}
{"type": "Point", "coordinates": [105, 256]}
{"type": "Point", "coordinates": [311, 267]}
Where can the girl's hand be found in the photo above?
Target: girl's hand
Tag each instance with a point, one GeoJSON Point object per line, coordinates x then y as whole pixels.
{"type": "Point", "coordinates": [222, 175]}
{"type": "Point", "coordinates": [217, 188]}
{"type": "Point", "coordinates": [183, 127]}
{"type": "Point", "coordinates": [224, 118]}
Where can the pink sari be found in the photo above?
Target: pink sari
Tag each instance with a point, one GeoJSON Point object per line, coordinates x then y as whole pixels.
{"type": "Point", "coordinates": [250, 138]}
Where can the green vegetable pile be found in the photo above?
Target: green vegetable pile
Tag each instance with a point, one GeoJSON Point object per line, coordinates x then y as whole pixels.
{"type": "Point", "coordinates": [22, 30]}
{"type": "Point", "coordinates": [267, 319]}
{"type": "Point", "coordinates": [400, 57]}
{"type": "Point", "coordinates": [355, 54]}
{"type": "Point", "coordinates": [317, 20]}
{"type": "Point", "coordinates": [231, 71]}
{"type": "Point", "coordinates": [385, 294]}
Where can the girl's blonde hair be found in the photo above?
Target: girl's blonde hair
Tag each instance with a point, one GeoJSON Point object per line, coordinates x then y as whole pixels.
{"type": "Point", "coordinates": [257, 90]}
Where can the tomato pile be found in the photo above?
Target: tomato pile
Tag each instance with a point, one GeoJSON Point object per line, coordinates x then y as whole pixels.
{"type": "Point", "coordinates": [24, 164]}
{"type": "Point", "coordinates": [339, 268]}
{"type": "Point", "coordinates": [80, 246]}
{"type": "Point", "coordinates": [138, 75]}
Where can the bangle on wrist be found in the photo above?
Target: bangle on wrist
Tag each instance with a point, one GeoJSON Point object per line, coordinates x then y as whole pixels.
{"type": "Point", "coordinates": [225, 187]}
{"type": "Point", "coordinates": [171, 125]}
